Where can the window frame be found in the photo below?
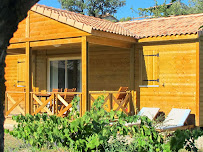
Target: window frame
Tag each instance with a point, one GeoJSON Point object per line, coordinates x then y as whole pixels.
{"type": "Point", "coordinates": [56, 59]}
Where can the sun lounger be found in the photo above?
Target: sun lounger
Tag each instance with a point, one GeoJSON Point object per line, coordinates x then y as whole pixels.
{"type": "Point", "coordinates": [176, 119]}
{"type": "Point", "coordinates": [151, 113]}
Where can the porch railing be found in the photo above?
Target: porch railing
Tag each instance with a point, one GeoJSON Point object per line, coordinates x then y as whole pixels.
{"type": "Point", "coordinates": [15, 103]}
{"type": "Point", "coordinates": [53, 103]}
{"type": "Point", "coordinates": [59, 103]}
{"type": "Point", "coordinates": [112, 101]}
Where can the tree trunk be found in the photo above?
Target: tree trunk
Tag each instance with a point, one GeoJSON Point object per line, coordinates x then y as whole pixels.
{"type": "Point", "coordinates": [11, 13]}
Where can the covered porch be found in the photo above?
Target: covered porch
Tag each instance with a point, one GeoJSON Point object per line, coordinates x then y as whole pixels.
{"type": "Point", "coordinates": [94, 65]}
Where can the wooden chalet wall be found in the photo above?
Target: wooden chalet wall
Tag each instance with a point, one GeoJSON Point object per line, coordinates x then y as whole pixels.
{"type": "Point", "coordinates": [38, 27]}
{"type": "Point", "coordinates": [12, 77]}
{"type": "Point", "coordinates": [109, 68]}
{"type": "Point", "coordinates": [201, 80]}
{"type": "Point", "coordinates": [176, 70]}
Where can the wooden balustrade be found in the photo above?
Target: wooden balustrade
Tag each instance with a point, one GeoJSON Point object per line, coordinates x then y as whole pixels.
{"type": "Point", "coordinates": [112, 101]}
{"type": "Point", "coordinates": [55, 103]}
{"type": "Point", "coordinates": [15, 101]}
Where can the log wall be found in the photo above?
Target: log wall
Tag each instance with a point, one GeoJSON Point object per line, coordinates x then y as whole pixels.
{"type": "Point", "coordinates": [176, 73]}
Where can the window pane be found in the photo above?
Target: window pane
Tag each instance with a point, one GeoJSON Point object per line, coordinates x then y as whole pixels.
{"type": "Point", "coordinates": [61, 74]}
{"type": "Point", "coordinates": [53, 74]}
{"type": "Point", "coordinates": [74, 78]}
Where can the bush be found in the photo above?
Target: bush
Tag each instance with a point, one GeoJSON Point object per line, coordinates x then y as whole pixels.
{"type": "Point", "coordinates": [185, 139]}
{"type": "Point", "coordinates": [91, 132]}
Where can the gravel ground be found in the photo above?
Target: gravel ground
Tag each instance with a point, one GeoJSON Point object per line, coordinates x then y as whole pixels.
{"type": "Point", "coordinates": [199, 143]}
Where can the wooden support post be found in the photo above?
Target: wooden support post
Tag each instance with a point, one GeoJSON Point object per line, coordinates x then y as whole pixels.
{"type": "Point", "coordinates": [28, 78]}
{"type": "Point", "coordinates": [84, 54]}
{"type": "Point", "coordinates": [132, 78]}
{"type": "Point", "coordinates": [132, 68]}
{"type": "Point", "coordinates": [6, 104]}
{"type": "Point", "coordinates": [197, 84]}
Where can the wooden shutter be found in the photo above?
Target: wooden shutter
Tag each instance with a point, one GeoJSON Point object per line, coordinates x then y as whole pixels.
{"type": "Point", "coordinates": [21, 71]}
{"type": "Point", "coordinates": [150, 67]}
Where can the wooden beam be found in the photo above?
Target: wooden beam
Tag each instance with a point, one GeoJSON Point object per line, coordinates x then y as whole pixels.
{"type": "Point", "coordinates": [114, 36]}
{"type": "Point", "coordinates": [84, 74]}
{"type": "Point", "coordinates": [132, 68]}
{"type": "Point", "coordinates": [46, 43]}
{"type": "Point", "coordinates": [55, 42]}
{"type": "Point", "coordinates": [109, 42]}
{"type": "Point", "coordinates": [197, 84]}
{"type": "Point", "coordinates": [74, 55]}
{"type": "Point", "coordinates": [28, 78]}
{"type": "Point", "coordinates": [50, 37]}
{"type": "Point", "coordinates": [17, 46]}
{"type": "Point", "coordinates": [169, 38]}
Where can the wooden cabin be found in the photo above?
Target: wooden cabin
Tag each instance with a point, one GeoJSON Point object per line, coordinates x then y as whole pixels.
{"type": "Point", "coordinates": [157, 59]}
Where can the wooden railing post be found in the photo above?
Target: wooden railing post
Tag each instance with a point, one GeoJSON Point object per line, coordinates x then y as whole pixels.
{"type": "Point", "coordinates": [31, 103]}
{"type": "Point", "coordinates": [6, 104]}
{"type": "Point", "coordinates": [80, 96]}
{"type": "Point", "coordinates": [56, 95]}
{"type": "Point", "coordinates": [111, 101]}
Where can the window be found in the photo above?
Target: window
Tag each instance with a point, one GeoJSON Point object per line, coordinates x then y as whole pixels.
{"type": "Point", "coordinates": [149, 65]}
{"type": "Point", "coordinates": [21, 71]}
{"type": "Point", "coordinates": [64, 74]}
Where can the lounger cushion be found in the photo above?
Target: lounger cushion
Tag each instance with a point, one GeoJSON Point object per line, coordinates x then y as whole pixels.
{"type": "Point", "coordinates": [145, 111]}
{"type": "Point", "coordinates": [149, 112]}
{"type": "Point", "coordinates": [177, 117]}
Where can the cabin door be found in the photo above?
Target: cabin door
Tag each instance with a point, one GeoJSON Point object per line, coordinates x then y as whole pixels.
{"type": "Point", "coordinates": [64, 74]}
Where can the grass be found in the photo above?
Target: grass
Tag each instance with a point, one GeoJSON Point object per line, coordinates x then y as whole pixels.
{"type": "Point", "coordinates": [12, 144]}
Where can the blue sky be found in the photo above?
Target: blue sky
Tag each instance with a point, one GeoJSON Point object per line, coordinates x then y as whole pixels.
{"type": "Point", "coordinates": [122, 12]}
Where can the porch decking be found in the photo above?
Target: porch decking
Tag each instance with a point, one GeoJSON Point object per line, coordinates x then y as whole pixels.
{"type": "Point", "coordinates": [53, 103]}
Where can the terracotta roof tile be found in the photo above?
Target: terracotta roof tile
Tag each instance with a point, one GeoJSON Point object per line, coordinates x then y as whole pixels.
{"type": "Point", "coordinates": [176, 25]}
{"type": "Point", "coordinates": [80, 21]}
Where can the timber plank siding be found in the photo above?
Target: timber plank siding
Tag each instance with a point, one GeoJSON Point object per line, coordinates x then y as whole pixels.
{"type": "Point", "coordinates": [176, 73]}
{"type": "Point", "coordinates": [12, 77]}
{"type": "Point", "coordinates": [201, 81]}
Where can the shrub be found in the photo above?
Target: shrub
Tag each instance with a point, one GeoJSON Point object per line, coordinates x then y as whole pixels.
{"type": "Point", "coordinates": [185, 139]}
{"type": "Point", "coordinates": [92, 131]}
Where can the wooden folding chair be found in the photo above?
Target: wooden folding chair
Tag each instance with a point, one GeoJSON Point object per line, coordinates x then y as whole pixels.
{"type": "Point", "coordinates": [68, 98]}
{"type": "Point", "coordinates": [121, 93]}
{"type": "Point", "coordinates": [122, 99]}
{"type": "Point", "coordinates": [57, 90]}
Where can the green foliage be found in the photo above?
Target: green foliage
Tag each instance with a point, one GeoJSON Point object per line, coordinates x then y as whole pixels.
{"type": "Point", "coordinates": [124, 19]}
{"type": "Point", "coordinates": [92, 7]}
{"type": "Point", "coordinates": [176, 8]}
{"type": "Point", "coordinates": [93, 132]}
{"type": "Point", "coordinates": [185, 139]}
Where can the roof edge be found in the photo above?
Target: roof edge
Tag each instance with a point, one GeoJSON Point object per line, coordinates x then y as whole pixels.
{"type": "Point", "coordinates": [62, 19]}
{"type": "Point", "coordinates": [159, 18]}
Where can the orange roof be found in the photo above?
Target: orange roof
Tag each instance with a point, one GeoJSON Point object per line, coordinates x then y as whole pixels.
{"type": "Point", "coordinates": [83, 22]}
{"type": "Point", "coordinates": [176, 25]}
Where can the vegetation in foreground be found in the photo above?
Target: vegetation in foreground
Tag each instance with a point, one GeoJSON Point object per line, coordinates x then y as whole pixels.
{"type": "Point", "coordinates": [93, 132]}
